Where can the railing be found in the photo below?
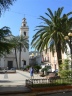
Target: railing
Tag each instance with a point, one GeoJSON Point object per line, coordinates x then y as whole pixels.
{"type": "Point", "coordinates": [32, 82]}
{"type": "Point", "coordinates": [29, 83]}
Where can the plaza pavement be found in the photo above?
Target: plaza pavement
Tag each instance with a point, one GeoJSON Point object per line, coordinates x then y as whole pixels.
{"type": "Point", "coordinates": [18, 78]}
{"type": "Point", "coordinates": [14, 83]}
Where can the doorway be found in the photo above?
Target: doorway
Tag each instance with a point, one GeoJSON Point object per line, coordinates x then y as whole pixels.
{"type": "Point", "coordinates": [24, 64]}
{"type": "Point", "coordinates": [10, 64]}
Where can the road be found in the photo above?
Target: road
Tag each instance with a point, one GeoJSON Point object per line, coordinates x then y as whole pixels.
{"type": "Point", "coordinates": [59, 94]}
{"type": "Point", "coordinates": [34, 94]}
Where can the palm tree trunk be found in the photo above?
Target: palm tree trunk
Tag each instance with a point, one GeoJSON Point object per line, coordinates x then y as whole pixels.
{"type": "Point", "coordinates": [16, 58]}
{"type": "Point", "coordinates": [59, 55]}
{"type": "Point", "coordinates": [20, 57]}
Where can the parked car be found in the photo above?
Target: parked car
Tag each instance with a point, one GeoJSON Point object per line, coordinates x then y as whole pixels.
{"type": "Point", "coordinates": [45, 70]}
{"type": "Point", "coordinates": [46, 67]}
{"type": "Point", "coordinates": [56, 70]}
{"type": "Point", "coordinates": [13, 69]}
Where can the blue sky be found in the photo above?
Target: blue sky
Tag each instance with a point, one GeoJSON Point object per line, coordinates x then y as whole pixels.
{"type": "Point", "coordinates": [32, 9]}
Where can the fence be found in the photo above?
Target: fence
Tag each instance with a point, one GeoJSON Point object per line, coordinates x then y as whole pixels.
{"type": "Point", "coordinates": [32, 82]}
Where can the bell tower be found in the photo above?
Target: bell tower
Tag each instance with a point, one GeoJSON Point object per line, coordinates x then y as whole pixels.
{"type": "Point", "coordinates": [24, 28]}
{"type": "Point", "coordinates": [24, 31]}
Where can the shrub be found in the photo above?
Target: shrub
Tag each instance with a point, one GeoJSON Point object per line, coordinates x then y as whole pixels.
{"type": "Point", "coordinates": [27, 67]}
{"type": "Point", "coordinates": [36, 68]}
{"type": "Point", "coordinates": [65, 72]}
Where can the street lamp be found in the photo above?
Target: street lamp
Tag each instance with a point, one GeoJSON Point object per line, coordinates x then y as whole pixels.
{"type": "Point", "coordinates": [69, 37]}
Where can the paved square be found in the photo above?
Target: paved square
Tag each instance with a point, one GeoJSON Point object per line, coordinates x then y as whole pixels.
{"type": "Point", "coordinates": [18, 78]}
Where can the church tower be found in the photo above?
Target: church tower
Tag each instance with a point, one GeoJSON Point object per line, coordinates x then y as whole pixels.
{"type": "Point", "coordinates": [24, 31]}
{"type": "Point", "coordinates": [24, 28]}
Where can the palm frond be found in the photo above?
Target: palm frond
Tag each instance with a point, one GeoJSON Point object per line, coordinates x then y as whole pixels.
{"type": "Point", "coordinates": [4, 4]}
{"type": "Point", "coordinates": [51, 14]}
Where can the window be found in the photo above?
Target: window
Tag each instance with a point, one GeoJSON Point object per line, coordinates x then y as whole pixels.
{"type": "Point", "coordinates": [24, 33]}
{"type": "Point", "coordinates": [24, 62]}
{"type": "Point", "coordinates": [24, 25]}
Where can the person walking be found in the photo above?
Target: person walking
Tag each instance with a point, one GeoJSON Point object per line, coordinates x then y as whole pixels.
{"type": "Point", "coordinates": [31, 72]}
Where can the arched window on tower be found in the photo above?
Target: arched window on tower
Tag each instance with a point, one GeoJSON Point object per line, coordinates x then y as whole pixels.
{"type": "Point", "coordinates": [24, 25]}
{"type": "Point", "coordinates": [24, 33]}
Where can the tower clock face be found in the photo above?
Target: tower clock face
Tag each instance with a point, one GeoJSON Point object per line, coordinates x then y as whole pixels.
{"type": "Point", "coordinates": [24, 33]}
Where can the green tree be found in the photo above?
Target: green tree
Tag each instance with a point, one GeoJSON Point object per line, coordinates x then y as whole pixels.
{"type": "Point", "coordinates": [54, 28]}
{"type": "Point", "coordinates": [5, 46]}
{"type": "Point", "coordinates": [14, 41]}
{"type": "Point", "coordinates": [23, 42]}
{"type": "Point", "coordinates": [4, 5]}
{"type": "Point", "coordinates": [65, 71]}
{"type": "Point", "coordinates": [19, 42]}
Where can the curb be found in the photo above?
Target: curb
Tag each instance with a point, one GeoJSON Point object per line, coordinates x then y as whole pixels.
{"type": "Point", "coordinates": [14, 90]}
{"type": "Point", "coordinates": [53, 92]}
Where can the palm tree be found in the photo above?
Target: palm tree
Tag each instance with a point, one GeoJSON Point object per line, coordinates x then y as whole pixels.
{"type": "Point", "coordinates": [14, 41]}
{"type": "Point", "coordinates": [5, 46]}
{"type": "Point", "coordinates": [23, 42]}
{"type": "Point", "coordinates": [4, 4]}
{"type": "Point", "coordinates": [55, 28]}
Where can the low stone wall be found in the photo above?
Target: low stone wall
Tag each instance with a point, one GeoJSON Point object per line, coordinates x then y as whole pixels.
{"type": "Point", "coordinates": [7, 71]}
{"type": "Point", "coordinates": [52, 88]}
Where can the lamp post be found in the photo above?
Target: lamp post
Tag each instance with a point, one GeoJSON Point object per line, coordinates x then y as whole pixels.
{"type": "Point", "coordinates": [69, 37]}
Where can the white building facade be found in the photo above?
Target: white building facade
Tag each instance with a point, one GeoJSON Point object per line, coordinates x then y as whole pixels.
{"type": "Point", "coordinates": [9, 60]}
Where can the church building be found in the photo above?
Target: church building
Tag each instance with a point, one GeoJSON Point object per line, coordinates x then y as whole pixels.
{"type": "Point", "coordinates": [9, 60]}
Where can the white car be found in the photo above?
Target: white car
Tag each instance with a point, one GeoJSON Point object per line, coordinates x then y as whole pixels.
{"type": "Point", "coordinates": [46, 65]}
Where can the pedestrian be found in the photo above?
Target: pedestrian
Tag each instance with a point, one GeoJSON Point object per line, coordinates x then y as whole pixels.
{"type": "Point", "coordinates": [31, 72]}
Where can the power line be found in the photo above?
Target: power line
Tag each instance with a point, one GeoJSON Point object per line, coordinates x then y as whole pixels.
{"type": "Point", "coordinates": [23, 14]}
